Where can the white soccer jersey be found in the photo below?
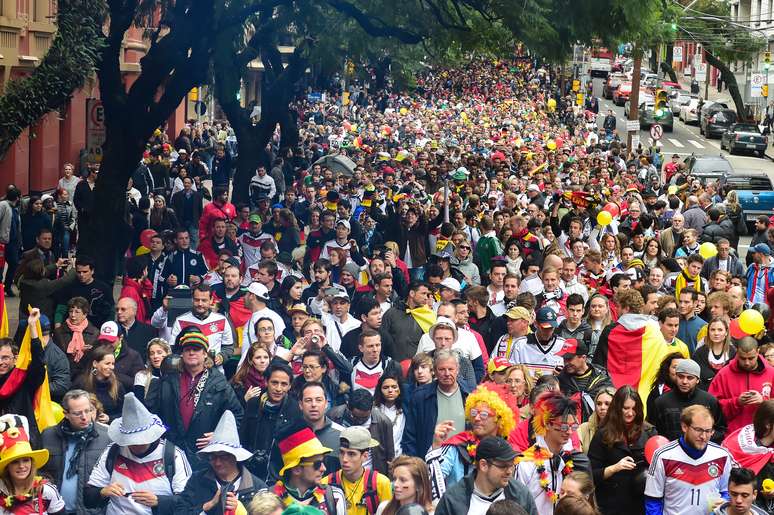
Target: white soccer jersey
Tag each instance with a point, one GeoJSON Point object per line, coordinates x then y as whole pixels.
{"type": "Point", "coordinates": [215, 327]}
{"type": "Point", "coordinates": [688, 486]}
{"type": "Point", "coordinates": [539, 360]}
{"type": "Point", "coordinates": [134, 474]}
{"type": "Point", "coordinates": [251, 246]}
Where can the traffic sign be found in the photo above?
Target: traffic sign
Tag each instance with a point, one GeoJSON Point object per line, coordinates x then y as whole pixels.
{"type": "Point", "coordinates": [632, 125]}
{"type": "Point", "coordinates": [701, 72]}
{"type": "Point", "coordinates": [677, 54]}
{"type": "Point", "coordinates": [656, 131]}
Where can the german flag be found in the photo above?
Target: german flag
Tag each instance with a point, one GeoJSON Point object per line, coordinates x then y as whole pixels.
{"type": "Point", "coordinates": [632, 352]}
{"type": "Point", "coordinates": [4, 332]}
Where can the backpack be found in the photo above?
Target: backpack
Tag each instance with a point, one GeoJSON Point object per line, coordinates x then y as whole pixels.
{"type": "Point", "coordinates": [370, 494]}
{"type": "Point", "coordinates": [168, 460]}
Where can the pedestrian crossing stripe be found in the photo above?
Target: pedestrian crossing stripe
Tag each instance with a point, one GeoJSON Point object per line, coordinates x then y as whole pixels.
{"type": "Point", "coordinates": [675, 143]}
{"type": "Point", "coordinates": [695, 143]}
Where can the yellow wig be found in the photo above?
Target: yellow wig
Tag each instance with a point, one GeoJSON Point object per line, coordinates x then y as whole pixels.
{"type": "Point", "coordinates": [497, 397]}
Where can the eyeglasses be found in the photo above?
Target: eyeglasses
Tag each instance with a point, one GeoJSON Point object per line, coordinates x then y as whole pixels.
{"type": "Point", "coordinates": [310, 367]}
{"type": "Point", "coordinates": [708, 432]}
{"type": "Point", "coordinates": [465, 247]}
{"type": "Point", "coordinates": [265, 329]}
{"type": "Point", "coordinates": [316, 464]}
{"type": "Point", "coordinates": [514, 381]}
{"type": "Point", "coordinates": [564, 428]}
{"type": "Point", "coordinates": [484, 414]}
{"type": "Point", "coordinates": [82, 413]}
{"type": "Point", "coordinates": [503, 466]}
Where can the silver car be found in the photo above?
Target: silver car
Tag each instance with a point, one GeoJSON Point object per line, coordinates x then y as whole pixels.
{"type": "Point", "coordinates": [679, 99]}
{"type": "Point", "coordinates": [689, 113]}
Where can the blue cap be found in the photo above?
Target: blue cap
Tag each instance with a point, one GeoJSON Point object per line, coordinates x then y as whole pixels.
{"type": "Point", "coordinates": [45, 323]}
{"type": "Point", "coordinates": [761, 248]}
{"type": "Point", "coordinates": [546, 317]}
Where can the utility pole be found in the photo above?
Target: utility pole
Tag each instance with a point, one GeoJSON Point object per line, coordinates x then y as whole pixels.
{"type": "Point", "coordinates": [634, 97]}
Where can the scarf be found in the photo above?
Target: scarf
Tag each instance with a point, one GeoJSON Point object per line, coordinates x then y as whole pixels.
{"type": "Point", "coordinates": [77, 344]}
{"type": "Point", "coordinates": [254, 378]}
{"type": "Point", "coordinates": [82, 439]}
{"type": "Point", "coordinates": [423, 316]}
{"type": "Point", "coordinates": [747, 450]}
{"type": "Point", "coordinates": [683, 280]}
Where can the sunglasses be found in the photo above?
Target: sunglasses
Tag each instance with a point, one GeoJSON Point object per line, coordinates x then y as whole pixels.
{"type": "Point", "coordinates": [564, 428]}
{"type": "Point", "coordinates": [484, 414]}
{"type": "Point", "coordinates": [316, 464]}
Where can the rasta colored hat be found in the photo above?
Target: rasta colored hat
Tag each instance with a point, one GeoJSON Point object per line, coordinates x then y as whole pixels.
{"type": "Point", "coordinates": [194, 338]}
{"type": "Point", "coordinates": [15, 442]}
{"type": "Point", "coordinates": [297, 441]}
{"type": "Point", "coordinates": [137, 425]}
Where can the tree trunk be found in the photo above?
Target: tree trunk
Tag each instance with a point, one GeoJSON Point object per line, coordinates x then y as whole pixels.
{"type": "Point", "coordinates": [729, 79]}
{"type": "Point", "coordinates": [634, 96]}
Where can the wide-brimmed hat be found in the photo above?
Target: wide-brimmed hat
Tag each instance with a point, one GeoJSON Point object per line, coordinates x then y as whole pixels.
{"type": "Point", "coordinates": [297, 441]}
{"type": "Point", "coordinates": [15, 444]}
{"type": "Point", "coordinates": [137, 425]}
{"type": "Point", "coordinates": [226, 439]}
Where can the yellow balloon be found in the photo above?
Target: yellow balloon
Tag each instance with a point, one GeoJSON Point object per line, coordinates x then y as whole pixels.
{"type": "Point", "coordinates": [58, 412]}
{"type": "Point", "coordinates": [403, 111]}
{"type": "Point", "coordinates": [708, 250]}
{"type": "Point", "coordinates": [604, 218]}
{"type": "Point", "coordinates": [551, 144]}
{"type": "Point", "coordinates": [353, 128]}
{"type": "Point", "coordinates": [672, 189]}
{"type": "Point", "coordinates": [751, 321]}
{"type": "Point", "coordinates": [464, 115]}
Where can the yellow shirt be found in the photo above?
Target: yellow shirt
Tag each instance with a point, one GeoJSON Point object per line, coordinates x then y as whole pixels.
{"type": "Point", "coordinates": [353, 492]}
{"type": "Point", "coordinates": [679, 346]}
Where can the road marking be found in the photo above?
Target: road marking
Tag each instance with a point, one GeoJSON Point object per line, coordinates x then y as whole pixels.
{"type": "Point", "coordinates": [695, 143]}
{"type": "Point", "coordinates": [675, 143]}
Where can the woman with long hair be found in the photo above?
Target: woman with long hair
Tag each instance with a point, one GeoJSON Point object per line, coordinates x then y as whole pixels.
{"type": "Point", "coordinates": [161, 217]}
{"type": "Point", "coordinates": [32, 221]}
{"type": "Point", "coordinates": [291, 291]}
{"type": "Point", "coordinates": [598, 317]}
{"type": "Point", "coordinates": [716, 351]}
{"type": "Point", "coordinates": [290, 235]}
{"type": "Point", "coordinates": [617, 455]}
{"type": "Point", "coordinates": [102, 381]}
{"type": "Point", "coordinates": [248, 381]}
{"type": "Point", "coordinates": [610, 248]}
{"type": "Point", "coordinates": [519, 382]}
{"type": "Point", "coordinates": [734, 213]}
{"type": "Point", "coordinates": [22, 490]}
{"type": "Point", "coordinates": [666, 376]}
{"type": "Point", "coordinates": [588, 429]}
{"type": "Point", "coordinates": [389, 399]}
{"type": "Point", "coordinates": [158, 350]}
{"type": "Point", "coordinates": [267, 337]}
{"type": "Point", "coordinates": [410, 485]}
{"type": "Point", "coordinates": [652, 255]}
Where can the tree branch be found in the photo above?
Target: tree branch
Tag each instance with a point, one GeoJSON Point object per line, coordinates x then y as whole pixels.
{"type": "Point", "coordinates": [374, 25]}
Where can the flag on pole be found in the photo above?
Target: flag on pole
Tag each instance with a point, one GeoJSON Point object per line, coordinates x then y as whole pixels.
{"type": "Point", "coordinates": [4, 332]}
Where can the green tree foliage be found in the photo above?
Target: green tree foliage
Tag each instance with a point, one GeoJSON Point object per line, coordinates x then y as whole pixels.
{"type": "Point", "coordinates": [68, 63]}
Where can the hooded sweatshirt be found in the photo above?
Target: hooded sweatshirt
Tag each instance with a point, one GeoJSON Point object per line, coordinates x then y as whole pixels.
{"type": "Point", "coordinates": [731, 381]}
{"type": "Point", "coordinates": [468, 269]}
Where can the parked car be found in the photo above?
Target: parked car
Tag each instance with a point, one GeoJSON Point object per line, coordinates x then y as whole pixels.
{"type": "Point", "coordinates": [716, 124]}
{"type": "Point", "coordinates": [708, 168]}
{"type": "Point", "coordinates": [744, 136]}
{"type": "Point", "coordinates": [621, 94]}
{"type": "Point", "coordinates": [689, 112]}
{"type": "Point", "coordinates": [754, 189]}
{"type": "Point", "coordinates": [708, 109]}
{"type": "Point", "coordinates": [678, 99]}
{"type": "Point", "coordinates": [613, 81]}
{"type": "Point", "coordinates": [647, 113]}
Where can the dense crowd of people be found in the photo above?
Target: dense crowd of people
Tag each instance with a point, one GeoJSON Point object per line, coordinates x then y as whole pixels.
{"type": "Point", "coordinates": [464, 299]}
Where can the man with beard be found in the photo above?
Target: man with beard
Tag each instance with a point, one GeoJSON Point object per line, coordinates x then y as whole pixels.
{"type": "Point", "coordinates": [671, 238]}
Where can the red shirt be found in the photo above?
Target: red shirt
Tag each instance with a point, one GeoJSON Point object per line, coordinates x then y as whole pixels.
{"type": "Point", "coordinates": [186, 404]}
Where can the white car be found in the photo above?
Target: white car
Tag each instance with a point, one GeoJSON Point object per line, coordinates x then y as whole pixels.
{"type": "Point", "coordinates": [689, 113]}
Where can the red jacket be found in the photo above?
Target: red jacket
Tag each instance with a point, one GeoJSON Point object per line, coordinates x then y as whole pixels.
{"type": "Point", "coordinates": [730, 382]}
{"type": "Point", "coordinates": [213, 212]}
{"type": "Point", "coordinates": [141, 293]}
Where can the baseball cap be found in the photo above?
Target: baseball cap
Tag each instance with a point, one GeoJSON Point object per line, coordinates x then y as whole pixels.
{"type": "Point", "coordinates": [519, 312]}
{"type": "Point", "coordinates": [498, 364]}
{"type": "Point", "coordinates": [762, 248]}
{"type": "Point", "coordinates": [108, 331]}
{"type": "Point", "coordinates": [451, 283]}
{"type": "Point", "coordinates": [45, 323]}
{"type": "Point", "coordinates": [356, 437]}
{"type": "Point", "coordinates": [495, 448]}
{"type": "Point", "coordinates": [546, 317]}
{"type": "Point", "coordinates": [572, 347]}
{"type": "Point", "coordinates": [343, 222]}
{"type": "Point", "coordinates": [298, 308]}
{"type": "Point", "coordinates": [340, 294]}
{"type": "Point", "coordinates": [259, 290]}
{"type": "Point", "coordinates": [255, 218]}
{"type": "Point", "coordinates": [533, 187]}
{"type": "Point", "coordinates": [689, 367]}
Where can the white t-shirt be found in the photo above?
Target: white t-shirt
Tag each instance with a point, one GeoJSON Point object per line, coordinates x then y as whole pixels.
{"type": "Point", "coordinates": [52, 503]}
{"type": "Point", "coordinates": [466, 344]}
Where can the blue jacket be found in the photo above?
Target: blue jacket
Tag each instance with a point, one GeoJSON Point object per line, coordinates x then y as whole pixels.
{"type": "Point", "coordinates": [421, 418]}
{"type": "Point", "coordinates": [735, 266]}
{"type": "Point", "coordinates": [757, 274]}
{"type": "Point", "coordinates": [183, 263]}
